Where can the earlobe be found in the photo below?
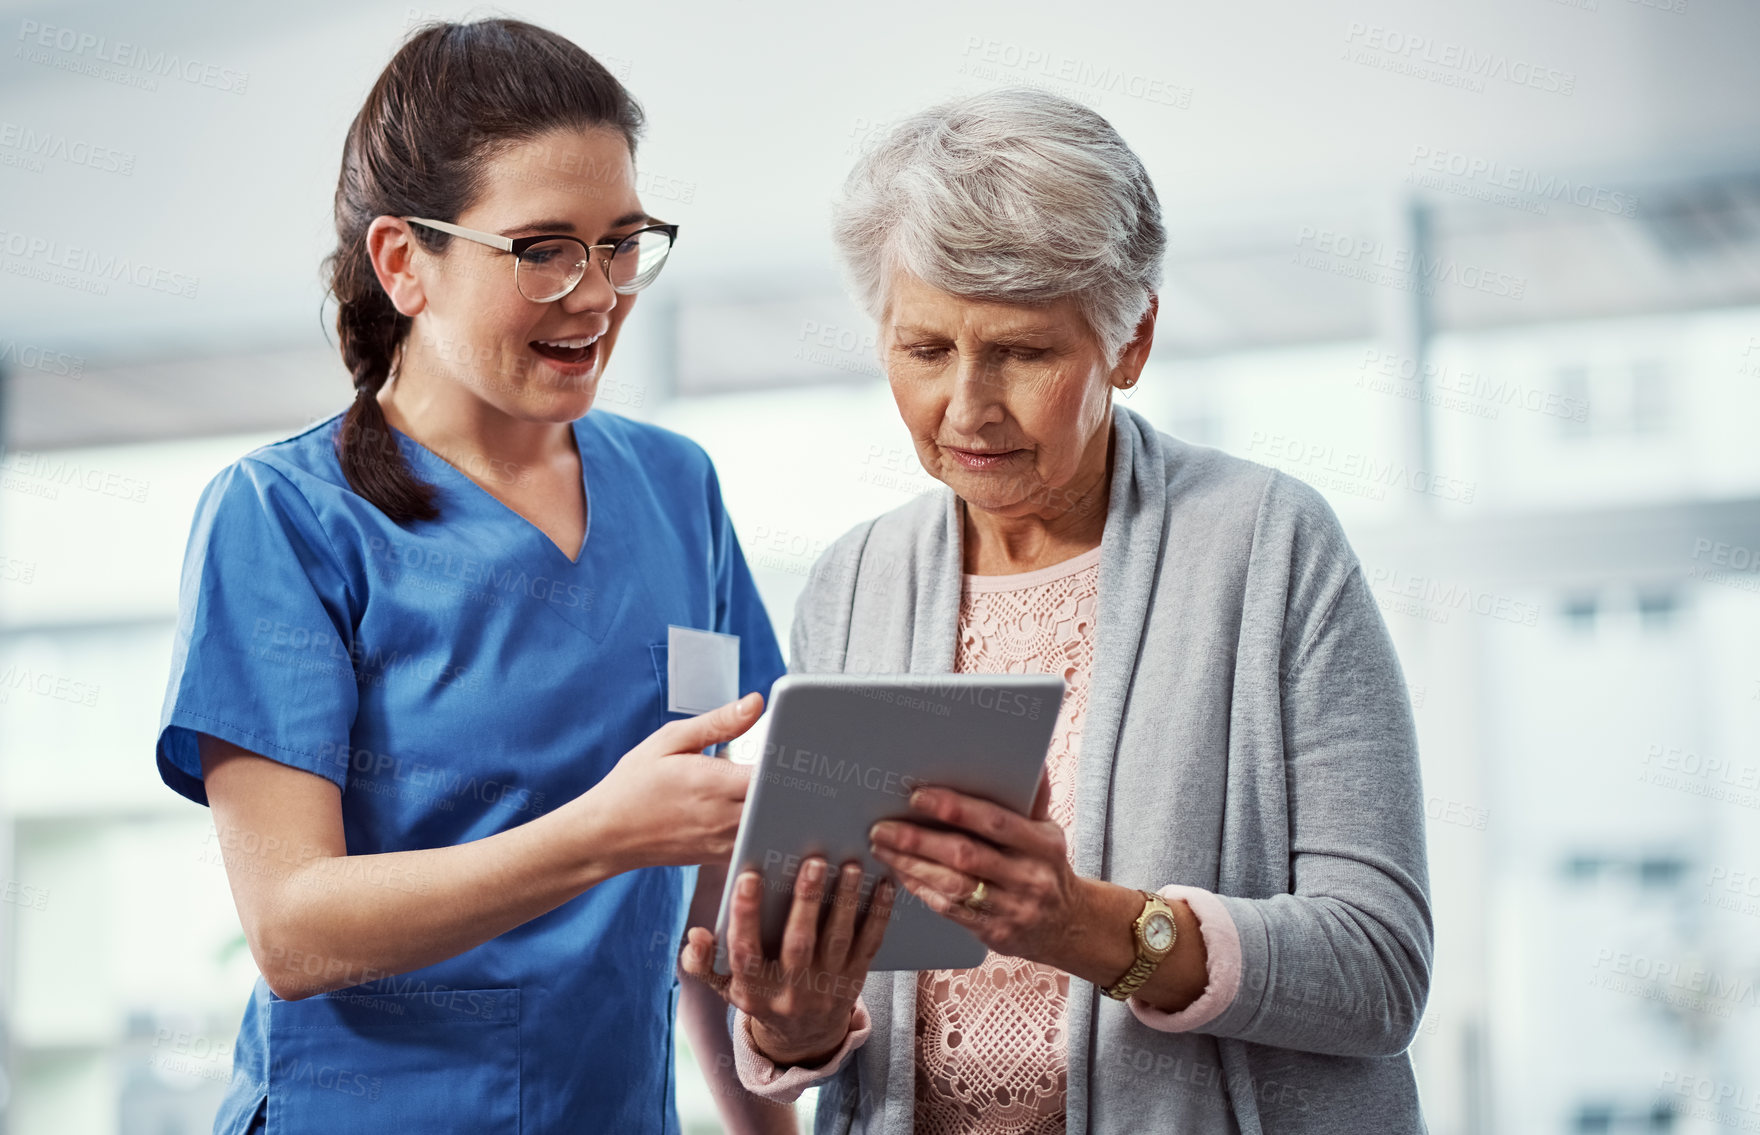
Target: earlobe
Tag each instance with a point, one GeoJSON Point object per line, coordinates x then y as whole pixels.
{"type": "Point", "coordinates": [1136, 353]}
{"type": "Point", "coordinates": [407, 295]}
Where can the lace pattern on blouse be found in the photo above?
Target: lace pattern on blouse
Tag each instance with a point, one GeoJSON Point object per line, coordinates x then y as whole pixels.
{"type": "Point", "coordinates": [990, 1041]}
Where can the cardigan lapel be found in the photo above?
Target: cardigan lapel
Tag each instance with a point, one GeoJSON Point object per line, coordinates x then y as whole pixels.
{"type": "Point", "coordinates": [935, 622]}
{"type": "Point", "coordinates": [1130, 558]}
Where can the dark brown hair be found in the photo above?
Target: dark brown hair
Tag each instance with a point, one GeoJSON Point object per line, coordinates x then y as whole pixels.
{"type": "Point", "coordinates": [454, 97]}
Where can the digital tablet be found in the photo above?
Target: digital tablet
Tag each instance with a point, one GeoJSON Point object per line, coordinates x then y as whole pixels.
{"type": "Point", "coordinates": [836, 753]}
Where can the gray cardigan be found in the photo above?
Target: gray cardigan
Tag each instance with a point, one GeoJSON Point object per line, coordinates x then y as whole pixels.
{"type": "Point", "coordinates": [1248, 732]}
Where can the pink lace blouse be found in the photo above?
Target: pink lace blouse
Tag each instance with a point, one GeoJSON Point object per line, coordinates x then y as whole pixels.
{"type": "Point", "coordinates": [990, 1054]}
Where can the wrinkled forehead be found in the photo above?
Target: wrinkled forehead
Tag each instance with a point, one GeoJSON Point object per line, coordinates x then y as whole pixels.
{"type": "Point", "coordinates": [915, 309]}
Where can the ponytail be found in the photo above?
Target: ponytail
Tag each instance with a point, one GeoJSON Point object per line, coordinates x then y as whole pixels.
{"type": "Point", "coordinates": [370, 329]}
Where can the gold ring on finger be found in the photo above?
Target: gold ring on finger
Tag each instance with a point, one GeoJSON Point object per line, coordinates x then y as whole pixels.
{"type": "Point", "coordinates": [975, 900]}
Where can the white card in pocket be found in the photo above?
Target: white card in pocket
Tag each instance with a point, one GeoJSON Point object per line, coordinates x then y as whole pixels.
{"type": "Point", "coordinates": [702, 669]}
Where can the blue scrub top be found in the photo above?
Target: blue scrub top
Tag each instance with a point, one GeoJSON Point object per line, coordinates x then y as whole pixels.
{"type": "Point", "coordinates": [457, 678]}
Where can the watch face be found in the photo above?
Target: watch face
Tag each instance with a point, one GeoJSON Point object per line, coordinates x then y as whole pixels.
{"type": "Point", "coordinates": [1158, 932]}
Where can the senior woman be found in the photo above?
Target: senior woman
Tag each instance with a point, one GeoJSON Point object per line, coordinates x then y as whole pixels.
{"type": "Point", "coordinates": [1235, 750]}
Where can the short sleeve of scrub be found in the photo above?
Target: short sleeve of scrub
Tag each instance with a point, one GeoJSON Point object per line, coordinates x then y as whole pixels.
{"type": "Point", "coordinates": [263, 651]}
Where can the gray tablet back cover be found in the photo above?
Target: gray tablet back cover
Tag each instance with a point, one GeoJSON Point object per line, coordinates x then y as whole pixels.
{"type": "Point", "coordinates": [836, 753]}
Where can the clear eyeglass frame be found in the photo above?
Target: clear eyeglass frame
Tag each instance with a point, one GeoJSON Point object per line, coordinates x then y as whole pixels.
{"type": "Point", "coordinates": [546, 268]}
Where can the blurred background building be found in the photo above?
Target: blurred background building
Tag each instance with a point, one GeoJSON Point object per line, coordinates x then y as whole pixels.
{"type": "Point", "coordinates": [1487, 275]}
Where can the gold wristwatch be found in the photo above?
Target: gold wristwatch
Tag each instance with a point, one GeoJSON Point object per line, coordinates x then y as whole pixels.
{"type": "Point", "coordinates": [1155, 933]}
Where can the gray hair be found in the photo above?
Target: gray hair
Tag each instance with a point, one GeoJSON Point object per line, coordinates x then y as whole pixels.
{"type": "Point", "coordinates": [1014, 196]}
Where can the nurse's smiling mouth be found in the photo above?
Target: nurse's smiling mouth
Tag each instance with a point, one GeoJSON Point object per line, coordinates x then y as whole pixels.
{"type": "Point", "coordinates": [574, 355]}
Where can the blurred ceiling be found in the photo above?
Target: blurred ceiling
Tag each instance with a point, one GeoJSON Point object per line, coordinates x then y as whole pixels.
{"type": "Point", "coordinates": [1290, 143]}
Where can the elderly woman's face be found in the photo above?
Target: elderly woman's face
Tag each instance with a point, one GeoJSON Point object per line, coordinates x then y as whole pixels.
{"type": "Point", "coordinates": [1009, 405]}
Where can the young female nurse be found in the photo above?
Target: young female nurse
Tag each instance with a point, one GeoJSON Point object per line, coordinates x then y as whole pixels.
{"type": "Point", "coordinates": [421, 673]}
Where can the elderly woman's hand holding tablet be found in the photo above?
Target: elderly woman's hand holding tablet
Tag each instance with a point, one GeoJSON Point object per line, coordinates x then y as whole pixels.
{"type": "Point", "coordinates": [1216, 917]}
{"type": "Point", "coordinates": [1008, 879]}
{"type": "Point", "coordinates": [799, 1004]}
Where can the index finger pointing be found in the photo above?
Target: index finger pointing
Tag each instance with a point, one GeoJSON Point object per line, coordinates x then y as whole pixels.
{"type": "Point", "coordinates": [724, 723]}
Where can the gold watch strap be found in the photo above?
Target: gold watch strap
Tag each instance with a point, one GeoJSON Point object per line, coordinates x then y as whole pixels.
{"type": "Point", "coordinates": [1146, 962]}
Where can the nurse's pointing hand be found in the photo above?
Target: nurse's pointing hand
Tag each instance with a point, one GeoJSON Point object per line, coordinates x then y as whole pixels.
{"type": "Point", "coordinates": [666, 803]}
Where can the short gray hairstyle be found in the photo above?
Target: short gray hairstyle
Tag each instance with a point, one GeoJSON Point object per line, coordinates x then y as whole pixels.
{"type": "Point", "coordinates": [1014, 195]}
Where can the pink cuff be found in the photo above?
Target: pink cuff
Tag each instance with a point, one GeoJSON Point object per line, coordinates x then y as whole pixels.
{"type": "Point", "coordinates": [762, 1077]}
{"type": "Point", "coordinates": [1222, 948]}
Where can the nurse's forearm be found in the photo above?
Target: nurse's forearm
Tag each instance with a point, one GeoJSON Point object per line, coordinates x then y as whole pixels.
{"type": "Point", "coordinates": [318, 919]}
{"type": "Point", "coordinates": [343, 920]}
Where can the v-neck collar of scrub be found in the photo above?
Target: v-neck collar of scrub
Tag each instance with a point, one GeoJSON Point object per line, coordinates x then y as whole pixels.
{"type": "Point", "coordinates": [574, 428]}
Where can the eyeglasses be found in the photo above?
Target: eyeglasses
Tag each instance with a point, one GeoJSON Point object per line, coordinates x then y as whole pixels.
{"type": "Point", "coordinates": [547, 268]}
